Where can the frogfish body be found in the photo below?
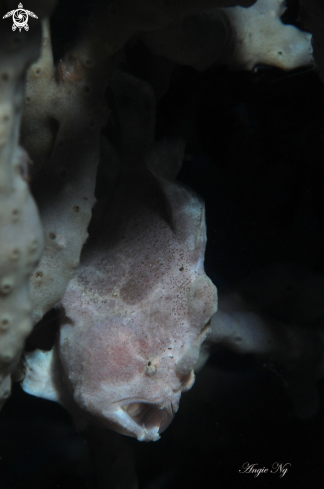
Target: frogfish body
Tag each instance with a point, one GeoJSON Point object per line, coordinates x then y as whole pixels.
{"type": "Point", "coordinates": [135, 314]}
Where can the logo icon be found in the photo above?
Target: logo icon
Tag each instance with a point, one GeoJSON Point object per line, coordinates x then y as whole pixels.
{"type": "Point", "coordinates": [20, 18]}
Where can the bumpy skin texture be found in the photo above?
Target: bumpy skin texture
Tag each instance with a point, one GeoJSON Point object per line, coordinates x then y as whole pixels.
{"type": "Point", "coordinates": [21, 238]}
{"type": "Point", "coordinates": [137, 313]}
{"type": "Point", "coordinates": [61, 128]}
{"type": "Point", "coordinates": [139, 306]}
{"type": "Point", "coordinates": [65, 111]}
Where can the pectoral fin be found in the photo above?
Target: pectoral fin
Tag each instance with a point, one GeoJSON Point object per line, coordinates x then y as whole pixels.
{"type": "Point", "coordinates": [39, 378]}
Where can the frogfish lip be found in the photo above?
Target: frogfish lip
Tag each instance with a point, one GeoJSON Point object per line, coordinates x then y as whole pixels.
{"type": "Point", "coordinates": [140, 418]}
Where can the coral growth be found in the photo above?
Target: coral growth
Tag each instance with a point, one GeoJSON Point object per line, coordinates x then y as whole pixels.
{"type": "Point", "coordinates": [134, 299]}
{"type": "Point", "coordinates": [242, 38]}
{"type": "Point", "coordinates": [21, 238]}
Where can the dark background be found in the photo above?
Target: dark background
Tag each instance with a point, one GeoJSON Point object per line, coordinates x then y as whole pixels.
{"type": "Point", "coordinates": [255, 154]}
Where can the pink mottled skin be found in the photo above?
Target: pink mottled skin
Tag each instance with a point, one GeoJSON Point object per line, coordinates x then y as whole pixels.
{"type": "Point", "coordinates": [139, 308]}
